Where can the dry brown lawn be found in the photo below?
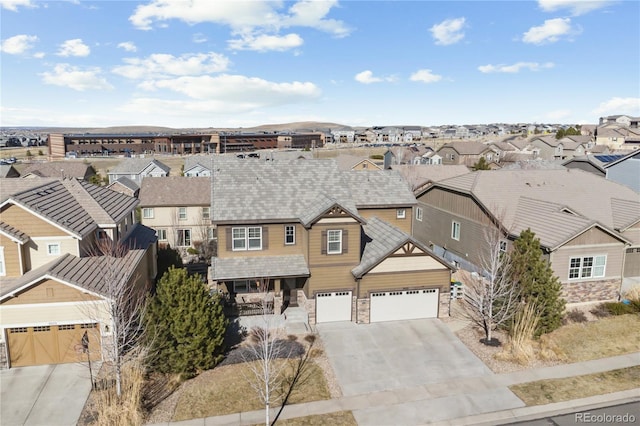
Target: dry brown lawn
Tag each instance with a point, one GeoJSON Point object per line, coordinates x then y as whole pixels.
{"type": "Point", "coordinates": [606, 337]}
{"type": "Point", "coordinates": [340, 418]}
{"type": "Point", "coordinates": [556, 390]}
{"type": "Point", "coordinates": [227, 390]}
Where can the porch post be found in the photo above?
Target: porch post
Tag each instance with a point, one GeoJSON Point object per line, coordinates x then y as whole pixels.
{"type": "Point", "coordinates": [276, 286]}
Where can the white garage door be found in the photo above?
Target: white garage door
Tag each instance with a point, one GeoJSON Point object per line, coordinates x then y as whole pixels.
{"type": "Point", "coordinates": [404, 305]}
{"type": "Point", "coordinates": [335, 306]}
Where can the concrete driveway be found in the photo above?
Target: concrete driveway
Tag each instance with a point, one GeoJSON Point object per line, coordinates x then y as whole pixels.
{"type": "Point", "coordinates": [49, 395]}
{"type": "Point", "coordinates": [395, 355]}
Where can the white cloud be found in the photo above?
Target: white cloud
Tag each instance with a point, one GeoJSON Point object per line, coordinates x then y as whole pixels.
{"type": "Point", "coordinates": [366, 77]}
{"type": "Point", "coordinates": [549, 32]}
{"type": "Point", "coordinates": [199, 38]}
{"type": "Point", "coordinates": [425, 76]}
{"type": "Point", "coordinates": [237, 89]}
{"type": "Point", "coordinates": [14, 4]}
{"type": "Point", "coordinates": [242, 16]}
{"type": "Point", "coordinates": [575, 7]}
{"type": "Point", "coordinates": [129, 46]}
{"type": "Point", "coordinates": [448, 31]}
{"type": "Point", "coordinates": [19, 44]}
{"type": "Point", "coordinates": [263, 43]}
{"type": "Point", "coordinates": [618, 105]}
{"type": "Point", "coordinates": [514, 68]}
{"type": "Point", "coordinates": [163, 65]}
{"type": "Point", "coordinates": [74, 47]}
{"type": "Point", "coordinates": [66, 75]}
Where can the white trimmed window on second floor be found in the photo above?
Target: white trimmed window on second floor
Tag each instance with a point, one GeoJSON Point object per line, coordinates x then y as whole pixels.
{"type": "Point", "coordinates": [182, 213]}
{"type": "Point", "coordinates": [206, 213]}
{"type": "Point", "coordinates": [246, 238]}
{"type": "Point", "coordinates": [334, 241]}
{"type": "Point", "coordinates": [289, 234]}
{"type": "Point", "coordinates": [401, 213]}
{"type": "Point", "coordinates": [53, 249]}
{"type": "Point", "coordinates": [455, 230]}
{"type": "Point", "coordinates": [147, 213]}
{"type": "Point", "coordinates": [3, 270]}
{"type": "Point", "coordinates": [419, 214]}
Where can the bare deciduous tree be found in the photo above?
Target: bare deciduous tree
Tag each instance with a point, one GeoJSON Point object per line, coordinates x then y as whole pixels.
{"type": "Point", "coordinates": [125, 294]}
{"type": "Point", "coordinates": [490, 298]}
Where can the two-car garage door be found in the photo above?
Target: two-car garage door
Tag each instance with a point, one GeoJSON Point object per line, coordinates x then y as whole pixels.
{"type": "Point", "coordinates": [52, 344]}
{"type": "Point", "coordinates": [403, 305]}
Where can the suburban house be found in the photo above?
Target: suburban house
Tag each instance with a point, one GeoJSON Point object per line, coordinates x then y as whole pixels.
{"type": "Point", "coordinates": [178, 209]}
{"type": "Point", "coordinates": [355, 162]}
{"type": "Point", "coordinates": [137, 169]}
{"type": "Point", "coordinates": [60, 170]}
{"type": "Point", "coordinates": [124, 185]}
{"type": "Point", "coordinates": [550, 148]}
{"type": "Point", "coordinates": [197, 165]}
{"type": "Point", "coordinates": [467, 153]}
{"type": "Point", "coordinates": [585, 223]}
{"type": "Point", "coordinates": [54, 280]}
{"type": "Point", "coordinates": [296, 229]}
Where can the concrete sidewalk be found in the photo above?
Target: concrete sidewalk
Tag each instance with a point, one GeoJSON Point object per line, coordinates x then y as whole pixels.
{"type": "Point", "coordinates": [465, 401]}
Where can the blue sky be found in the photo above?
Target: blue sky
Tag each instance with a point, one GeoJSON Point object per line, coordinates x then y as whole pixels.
{"type": "Point", "coordinates": [204, 63]}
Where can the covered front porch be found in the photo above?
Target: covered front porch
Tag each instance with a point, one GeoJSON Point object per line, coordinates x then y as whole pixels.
{"type": "Point", "coordinates": [259, 285]}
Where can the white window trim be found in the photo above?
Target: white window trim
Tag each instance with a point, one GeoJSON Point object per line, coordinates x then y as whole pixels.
{"type": "Point", "coordinates": [147, 213]}
{"type": "Point", "coordinates": [208, 214]}
{"type": "Point", "coordinates": [56, 244]}
{"type": "Point", "coordinates": [401, 213]}
{"type": "Point", "coordinates": [182, 230]}
{"type": "Point", "coordinates": [180, 216]}
{"type": "Point", "coordinates": [337, 232]}
{"type": "Point", "coordinates": [419, 214]}
{"type": "Point", "coordinates": [246, 239]}
{"type": "Point", "coordinates": [158, 234]}
{"type": "Point", "coordinates": [502, 246]}
{"type": "Point", "coordinates": [293, 234]}
{"type": "Point", "coordinates": [593, 267]}
{"type": "Point", "coordinates": [455, 235]}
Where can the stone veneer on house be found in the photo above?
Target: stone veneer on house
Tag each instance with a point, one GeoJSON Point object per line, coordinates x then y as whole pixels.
{"type": "Point", "coordinates": [591, 291]}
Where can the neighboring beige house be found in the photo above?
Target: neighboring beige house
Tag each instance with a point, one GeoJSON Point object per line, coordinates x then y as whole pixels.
{"type": "Point", "coordinates": [420, 176]}
{"type": "Point", "coordinates": [584, 223]}
{"type": "Point", "coordinates": [137, 169]}
{"type": "Point", "coordinates": [52, 284]}
{"type": "Point", "coordinates": [296, 229]}
{"type": "Point", "coordinates": [467, 153]}
{"type": "Point", "coordinates": [60, 170]}
{"type": "Point", "coordinates": [355, 162]}
{"type": "Point", "coordinates": [178, 209]}
{"type": "Point", "coordinates": [550, 148]}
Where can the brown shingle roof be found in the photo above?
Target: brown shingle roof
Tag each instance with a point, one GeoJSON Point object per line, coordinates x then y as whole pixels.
{"type": "Point", "coordinates": [175, 191]}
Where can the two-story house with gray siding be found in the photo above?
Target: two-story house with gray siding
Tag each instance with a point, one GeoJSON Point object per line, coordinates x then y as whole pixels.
{"type": "Point", "coordinates": [584, 223]}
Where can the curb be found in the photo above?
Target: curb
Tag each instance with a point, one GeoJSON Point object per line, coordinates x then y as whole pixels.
{"type": "Point", "coordinates": [543, 411]}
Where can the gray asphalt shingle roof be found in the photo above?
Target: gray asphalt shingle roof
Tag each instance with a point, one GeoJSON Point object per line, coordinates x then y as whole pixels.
{"type": "Point", "coordinates": [535, 199]}
{"type": "Point", "coordinates": [252, 190]}
{"type": "Point", "coordinates": [379, 188]}
{"type": "Point", "coordinates": [237, 268]}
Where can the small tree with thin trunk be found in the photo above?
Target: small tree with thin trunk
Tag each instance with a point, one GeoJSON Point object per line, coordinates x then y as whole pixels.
{"type": "Point", "coordinates": [490, 299]}
{"type": "Point", "coordinates": [125, 301]}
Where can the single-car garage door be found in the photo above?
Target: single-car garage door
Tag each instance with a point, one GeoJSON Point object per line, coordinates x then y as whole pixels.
{"type": "Point", "coordinates": [403, 305]}
{"type": "Point", "coordinates": [334, 306]}
{"type": "Point", "coordinates": [52, 344]}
